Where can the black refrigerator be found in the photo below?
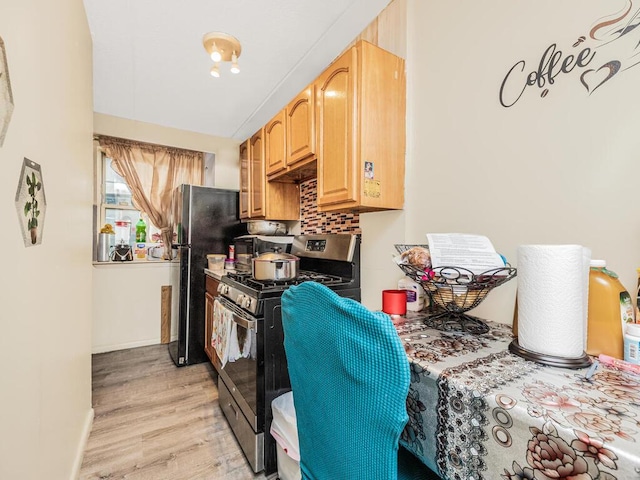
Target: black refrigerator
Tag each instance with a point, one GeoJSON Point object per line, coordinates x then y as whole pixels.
{"type": "Point", "coordinates": [206, 221]}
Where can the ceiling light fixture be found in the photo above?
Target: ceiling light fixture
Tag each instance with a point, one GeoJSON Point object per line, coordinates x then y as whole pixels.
{"type": "Point", "coordinates": [234, 63]}
{"type": "Point", "coordinates": [222, 47]}
{"type": "Point", "coordinates": [216, 56]}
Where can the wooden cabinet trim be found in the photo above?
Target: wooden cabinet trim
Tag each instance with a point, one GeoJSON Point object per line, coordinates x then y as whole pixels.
{"type": "Point", "coordinates": [211, 285]}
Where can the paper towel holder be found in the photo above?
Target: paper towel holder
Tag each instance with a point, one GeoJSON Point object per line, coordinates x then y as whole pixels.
{"type": "Point", "coordinates": [550, 360]}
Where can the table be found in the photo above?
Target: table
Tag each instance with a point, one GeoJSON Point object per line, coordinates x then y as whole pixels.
{"type": "Point", "coordinates": [476, 411]}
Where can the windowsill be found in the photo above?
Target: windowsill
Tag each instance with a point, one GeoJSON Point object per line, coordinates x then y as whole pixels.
{"type": "Point", "coordinates": [148, 263]}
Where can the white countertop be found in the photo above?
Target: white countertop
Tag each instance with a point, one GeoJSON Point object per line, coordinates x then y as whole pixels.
{"type": "Point", "coordinates": [217, 274]}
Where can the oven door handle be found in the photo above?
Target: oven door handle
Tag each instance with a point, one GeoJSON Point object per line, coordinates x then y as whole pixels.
{"type": "Point", "coordinates": [243, 322]}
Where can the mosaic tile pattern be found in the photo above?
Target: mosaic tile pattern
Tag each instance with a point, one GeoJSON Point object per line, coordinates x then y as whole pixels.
{"type": "Point", "coordinates": [313, 222]}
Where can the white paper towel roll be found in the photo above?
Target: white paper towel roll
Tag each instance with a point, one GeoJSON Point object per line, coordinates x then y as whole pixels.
{"type": "Point", "coordinates": [552, 292]}
{"type": "Point", "coordinates": [586, 266]}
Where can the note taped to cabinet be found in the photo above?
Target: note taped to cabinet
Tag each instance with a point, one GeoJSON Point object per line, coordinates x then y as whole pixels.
{"type": "Point", "coordinates": [372, 188]}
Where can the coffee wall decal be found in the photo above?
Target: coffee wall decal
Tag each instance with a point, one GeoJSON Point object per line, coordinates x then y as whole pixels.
{"type": "Point", "coordinates": [611, 47]}
{"type": "Point", "coordinates": [592, 80]}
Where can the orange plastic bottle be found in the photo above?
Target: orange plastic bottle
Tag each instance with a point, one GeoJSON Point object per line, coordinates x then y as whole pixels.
{"type": "Point", "coordinates": [610, 308]}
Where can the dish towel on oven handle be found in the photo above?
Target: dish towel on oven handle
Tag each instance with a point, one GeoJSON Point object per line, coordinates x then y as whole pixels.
{"type": "Point", "coordinates": [239, 336]}
{"type": "Point", "coordinates": [221, 331]}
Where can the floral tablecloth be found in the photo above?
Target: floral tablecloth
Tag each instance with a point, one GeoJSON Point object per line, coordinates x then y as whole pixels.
{"type": "Point", "coordinates": [477, 411]}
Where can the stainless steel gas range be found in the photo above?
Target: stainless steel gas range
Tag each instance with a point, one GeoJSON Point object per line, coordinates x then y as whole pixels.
{"type": "Point", "coordinates": [258, 372]}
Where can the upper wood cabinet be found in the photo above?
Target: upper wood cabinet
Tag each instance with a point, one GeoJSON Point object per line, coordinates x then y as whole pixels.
{"type": "Point", "coordinates": [257, 175]}
{"type": "Point", "coordinates": [360, 131]}
{"type": "Point", "coordinates": [244, 180]}
{"type": "Point", "coordinates": [301, 126]}
{"type": "Point", "coordinates": [298, 136]}
{"type": "Point", "coordinates": [347, 128]}
{"type": "Point", "coordinates": [277, 201]}
{"type": "Point", "coordinates": [274, 135]}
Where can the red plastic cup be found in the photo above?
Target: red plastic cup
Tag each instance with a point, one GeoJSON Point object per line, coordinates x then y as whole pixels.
{"type": "Point", "coordinates": [394, 302]}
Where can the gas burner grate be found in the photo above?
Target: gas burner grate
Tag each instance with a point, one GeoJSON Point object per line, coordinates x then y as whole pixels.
{"type": "Point", "coordinates": [239, 277]}
{"type": "Point", "coordinates": [318, 277]}
{"type": "Point", "coordinates": [303, 276]}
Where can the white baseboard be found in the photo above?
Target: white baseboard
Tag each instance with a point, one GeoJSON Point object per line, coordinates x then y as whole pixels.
{"type": "Point", "coordinates": [124, 346]}
{"type": "Point", "coordinates": [86, 431]}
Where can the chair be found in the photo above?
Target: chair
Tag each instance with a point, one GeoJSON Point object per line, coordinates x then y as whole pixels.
{"type": "Point", "coordinates": [350, 379]}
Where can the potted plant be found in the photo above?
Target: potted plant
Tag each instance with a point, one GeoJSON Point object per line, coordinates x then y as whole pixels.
{"type": "Point", "coordinates": [31, 209]}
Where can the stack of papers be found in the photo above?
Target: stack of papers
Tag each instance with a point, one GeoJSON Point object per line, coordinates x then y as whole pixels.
{"type": "Point", "coordinates": [472, 252]}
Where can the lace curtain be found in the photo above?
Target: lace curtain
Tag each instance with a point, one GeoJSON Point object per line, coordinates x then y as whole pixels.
{"type": "Point", "coordinates": [152, 173]}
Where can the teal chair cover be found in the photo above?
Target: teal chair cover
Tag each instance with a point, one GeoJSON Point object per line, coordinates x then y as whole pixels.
{"type": "Point", "coordinates": [350, 379]}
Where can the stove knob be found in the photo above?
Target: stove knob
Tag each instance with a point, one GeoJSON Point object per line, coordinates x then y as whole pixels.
{"type": "Point", "coordinates": [240, 299]}
{"type": "Point", "coordinates": [247, 302]}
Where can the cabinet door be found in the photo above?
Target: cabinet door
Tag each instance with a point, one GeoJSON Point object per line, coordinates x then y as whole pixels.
{"type": "Point", "coordinates": [268, 200]}
{"type": "Point", "coordinates": [257, 176]}
{"type": "Point", "coordinates": [211, 291]}
{"type": "Point", "coordinates": [336, 146]}
{"type": "Point", "coordinates": [244, 180]}
{"type": "Point", "coordinates": [208, 324]}
{"type": "Point", "coordinates": [301, 131]}
{"type": "Point", "coordinates": [275, 146]}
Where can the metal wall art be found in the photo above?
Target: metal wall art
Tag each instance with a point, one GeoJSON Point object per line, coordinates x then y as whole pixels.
{"type": "Point", "coordinates": [6, 97]}
{"type": "Point", "coordinates": [31, 203]}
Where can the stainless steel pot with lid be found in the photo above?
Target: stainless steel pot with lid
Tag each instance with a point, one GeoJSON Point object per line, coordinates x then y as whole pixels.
{"type": "Point", "coordinates": [275, 266]}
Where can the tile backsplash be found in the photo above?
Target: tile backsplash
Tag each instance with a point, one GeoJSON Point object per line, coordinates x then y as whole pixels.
{"type": "Point", "coordinates": [312, 221]}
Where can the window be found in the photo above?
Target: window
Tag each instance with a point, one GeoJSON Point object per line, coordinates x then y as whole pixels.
{"type": "Point", "coordinates": [116, 208]}
{"type": "Point", "coordinates": [149, 170]}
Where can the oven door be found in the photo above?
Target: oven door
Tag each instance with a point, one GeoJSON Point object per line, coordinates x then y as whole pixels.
{"type": "Point", "coordinates": [236, 361]}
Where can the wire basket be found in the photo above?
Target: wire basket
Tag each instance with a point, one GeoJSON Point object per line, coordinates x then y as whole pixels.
{"type": "Point", "coordinates": [456, 290]}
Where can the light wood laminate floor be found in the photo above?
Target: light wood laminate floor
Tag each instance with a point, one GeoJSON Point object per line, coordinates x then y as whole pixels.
{"type": "Point", "coordinates": [155, 421]}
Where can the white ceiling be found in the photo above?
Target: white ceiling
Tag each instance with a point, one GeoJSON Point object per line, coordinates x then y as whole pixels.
{"type": "Point", "coordinates": [149, 63]}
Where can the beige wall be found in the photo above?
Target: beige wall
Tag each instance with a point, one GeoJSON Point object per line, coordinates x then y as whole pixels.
{"type": "Point", "coordinates": [45, 362]}
{"type": "Point", "coordinates": [559, 169]}
{"type": "Point", "coordinates": [127, 305]}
